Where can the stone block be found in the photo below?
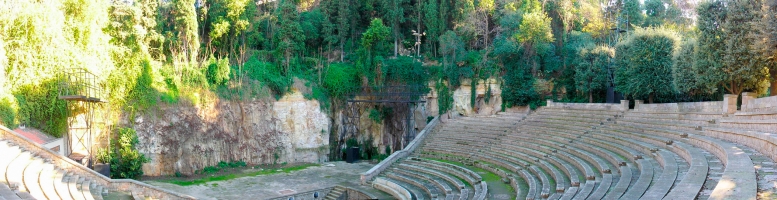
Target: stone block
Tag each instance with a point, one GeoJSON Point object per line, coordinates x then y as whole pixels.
{"type": "Point", "coordinates": [747, 98]}
{"type": "Point", "coordinates": [729, 103]}
{"type": "Point", "coordinates": [624, 105]}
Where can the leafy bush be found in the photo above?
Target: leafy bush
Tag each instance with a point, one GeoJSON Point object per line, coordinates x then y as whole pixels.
{"type": "Point", "coordinates": [376, 116]}
{"type": "Point", "coordinates": [519, 89]}
{"type": "Point", "coordinates": [269, 74]}
{"type": "Point", "coordinates": [341, 80]}
{"type": "Point", "coordinates": [7, 113]}
{"type": "Point", "coordinates": [40, 107]}
{"type": "Point", "coordinates": [126, 160]}
{"type": "Point", "coordinates": [217, 71]}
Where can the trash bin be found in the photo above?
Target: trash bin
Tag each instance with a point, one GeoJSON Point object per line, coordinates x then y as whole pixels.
{"type": "Point", "coordinates": [352, 155]}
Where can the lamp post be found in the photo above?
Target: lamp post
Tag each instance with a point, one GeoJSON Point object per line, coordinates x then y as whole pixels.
{"type": "Point", "coordinates": [418, 42]}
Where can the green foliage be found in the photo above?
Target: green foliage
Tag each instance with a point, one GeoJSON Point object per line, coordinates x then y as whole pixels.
{"type": "Point", "coordinates": [40, 107]}
{"type": "Point", "coordinates": [143, 95]}
{"type": "Point", "coordinates": [221, 166]}
{"type": "Point", "coordinates": [269, 74]}
{"type": "Point", "coordinates": [591, 73]}
{"type": "Point", "coordinates": [710, 44]}
{"type": "Point", "coordinates": [218, 71]}
{"type": "Point", "coordinates": [7, 113]}
{"type": "Point", "coordinates": [534, 29]}
{"type": "Point", "coordinates": [375, 34]}
{"type": "Point", "coordinates": [683, 76]}
{"type": "Point", "coordinates": [341, 79]}
{"type": "Point", "coordinates": [644, 63]}
{"type": "Point", "coordinates": [743, 68]}
{"type": "Point", "coordinates": [376, 116]}
{"type": "Point", "coordinates": [126, 160]}
{"type": "Point", "coordinates": [632, 12]}
{"type": "Point", "coordinates": [518, 88]}
{"type": "Point", "coordinates": [444, 97]}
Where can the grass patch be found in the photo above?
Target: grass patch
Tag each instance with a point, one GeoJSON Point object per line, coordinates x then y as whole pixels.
{"type": "Point", "coordinates": [234, 176]}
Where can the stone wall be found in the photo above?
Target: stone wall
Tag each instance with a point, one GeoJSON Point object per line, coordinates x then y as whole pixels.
{"type": "Point", "coordinates": [752, 104]}
{"type": "Point", "coordinates": [186, 138]}
{"type": "Point", "coordinates": [623, 106]}
{"type": "Point", "coordinates": [462, 98]}
{"type": "Point", "coordinates": [706, 107]}
{"type": "Point", "coordinates": [383, 165]}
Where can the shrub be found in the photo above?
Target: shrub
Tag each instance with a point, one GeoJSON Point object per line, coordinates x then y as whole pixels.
{"type": "Point", "coordinates": [126, 160]}
{"type": "Point", "coordinates": [7, 113]}
{"type": "Point", "coordinates": [217, 71]}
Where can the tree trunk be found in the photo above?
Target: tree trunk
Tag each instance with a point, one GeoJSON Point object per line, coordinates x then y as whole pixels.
{"type": "Point", "coordinates": [773, 88]}
{"type": "Point", "coordinates": [590, 96]}
{"type": "Point", "coordinates": [396, 45]}
{"type": "Point", "coordinates": [650, 97]}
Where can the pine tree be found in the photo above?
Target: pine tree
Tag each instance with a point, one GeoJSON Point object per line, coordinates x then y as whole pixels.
{"type": "Point", "coordinates": [766, 39]}
{"type": "Point", "coordinates": [743, 68]}
{"type": "Point", "coordinates": [710, 45]}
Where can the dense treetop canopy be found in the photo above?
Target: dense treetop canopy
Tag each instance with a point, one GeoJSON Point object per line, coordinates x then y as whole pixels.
{"type": "Point", "coordinates": [151, 52]}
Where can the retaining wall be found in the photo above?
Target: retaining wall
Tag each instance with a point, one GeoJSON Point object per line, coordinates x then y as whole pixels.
{"type": "Point", "coordinates": [383, 165]}
{"type": "Point", "coordinates": [706, 107]}
{"type": "Point", "coordinates": [623, 106]}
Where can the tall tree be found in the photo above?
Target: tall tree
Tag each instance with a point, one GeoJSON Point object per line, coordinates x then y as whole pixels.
{"type": "Point", "coordinates": [394, 13]}
{"type": "Point", "coordinates": [743, 68]}
{"type": "Point", "coordinates": [632, 13]}
{"type": "Point", "coordinates": [290, 37]}
{"type": "Point", "coordinates": [644, 63]}
{"type": "Point", "coordinates": [766, 37]}
{"type": "Point", "coordinates": [591, 72]}
{"type": "Point", "coordinates": [710, 45]}
{"type": "Point", "coordinates": [186, 28]}
{"type": "Point", "coordinates": [683, 75]}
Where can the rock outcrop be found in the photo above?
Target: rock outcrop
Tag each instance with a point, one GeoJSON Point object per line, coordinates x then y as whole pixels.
{"type": "Point", "coordinates": [185, 138]}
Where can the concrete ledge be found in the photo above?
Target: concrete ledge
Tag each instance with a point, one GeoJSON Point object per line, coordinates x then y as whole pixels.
{"type": "Point", "coordinates": [394, 157]}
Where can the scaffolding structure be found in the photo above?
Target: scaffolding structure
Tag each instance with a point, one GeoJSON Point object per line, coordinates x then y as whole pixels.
{"type": "Point", "coordinates": [80, 89]}
{"type": "Point", "coordinates": [408, 96]}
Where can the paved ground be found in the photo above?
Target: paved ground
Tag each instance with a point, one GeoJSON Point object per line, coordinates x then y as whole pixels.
{"type": "Point", "coordinates": [275, 185]}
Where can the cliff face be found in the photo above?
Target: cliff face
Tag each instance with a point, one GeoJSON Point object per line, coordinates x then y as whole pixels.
{"type": "Point", "coordinates": [188, 138]}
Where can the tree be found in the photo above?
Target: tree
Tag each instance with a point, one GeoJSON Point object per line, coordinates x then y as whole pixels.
{"type": "Point", "coordinates": [395, 16]}
{"type": "Point", "coordinates": [766, 39]}
{"type": "Point", "coordinates": [533, 32]}
{"type": "Point", "coordinates": [290, 37]}
{"type": "Point", "coordinates": [710, 45]}
{"type": "Point", "coordinates": [644, 63]}
{"type": "Point", "coordinates": [374, 37]}
{"type": "Point", "coordinates": [632, 13]}
{"type": "Point", "coordinates": [655, 11]}
{"type": "Point", "coordinates": [452, 51]}
{"type": "Point", "coordinates": [591, 73]}
{"type": "Point", "coordinates": [186, 28]}
{"type": "Point", "coordinates": [683, 74]}
{"type": "Point", "coordinates": [743, 69]}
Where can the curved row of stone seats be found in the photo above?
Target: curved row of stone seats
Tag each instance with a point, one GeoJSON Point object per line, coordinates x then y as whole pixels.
{"type": "Point", "coordinates": [740, 173]}
{"type": "Point", "coordinates": [34, 178]}
{"type": "Point", "coordinates": [645, 176]}
{"type": "Point", "coordinates": [517, 145]}
{"type": "Point", "coordinates": [486, 157]}
{"type": "Point", "coordinates": [572, 178]}
{"type": "Point", "coordinates": [600, 163]}
{"type": "Point", "coordinates": [546, 179]}
{"type": "Point", "coordinates": [426, 191]}
{"type": "Point", "coordinates": [697, 172]}
{"type": "Point", "coordinates": [617, 155]}
{"type": "Point", "coordinates": [697, 185]}
{"type": "Point", "coordinates": [738, 179]}
{"type": "Point", "coordinates": [391, 188]}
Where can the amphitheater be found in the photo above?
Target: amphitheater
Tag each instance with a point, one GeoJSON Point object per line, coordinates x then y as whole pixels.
{"type": "Point", "coordinates": [695, 150]}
